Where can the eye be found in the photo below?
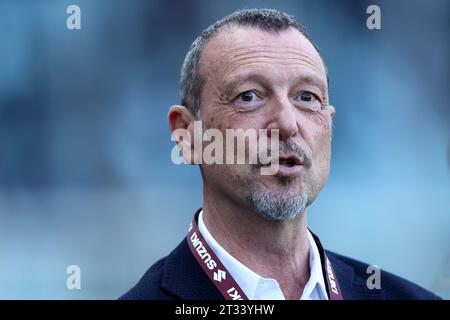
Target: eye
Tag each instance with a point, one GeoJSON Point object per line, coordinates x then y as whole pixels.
{"type": "Point", "coordinates": [248, 96]}
{"type": "Point", "coordinates": [248, 100]}
{"type": "Point", "coordinates": [309, 100]}
{"type": "Point", "coordinates": [306, 96]}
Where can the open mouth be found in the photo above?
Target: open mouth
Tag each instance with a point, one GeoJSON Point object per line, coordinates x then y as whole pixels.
{"type": "Point", "coordinates": [286, 166]}
{"type": "Point", "coordinates": [289, 161]}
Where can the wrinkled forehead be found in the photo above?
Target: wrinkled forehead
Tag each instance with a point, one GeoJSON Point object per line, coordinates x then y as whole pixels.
{"type": "Point", "coordinates": [234, 48]}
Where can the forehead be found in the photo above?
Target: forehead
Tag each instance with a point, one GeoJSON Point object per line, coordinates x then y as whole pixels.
{"type": "Point", "coordinates": [237, 48]}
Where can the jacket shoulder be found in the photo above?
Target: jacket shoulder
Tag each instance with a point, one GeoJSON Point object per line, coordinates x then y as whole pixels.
{"type": "Point", "coordinates": [392, 287]}
{"type": "Point", "coordinates": [149, 286]}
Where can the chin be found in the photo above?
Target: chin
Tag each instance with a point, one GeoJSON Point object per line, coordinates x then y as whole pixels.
{"type": "Point", "coordinates": [279, 205]}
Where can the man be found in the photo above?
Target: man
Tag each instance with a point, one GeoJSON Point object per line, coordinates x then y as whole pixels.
{"type": "Point", "coordinates": [258, 69]}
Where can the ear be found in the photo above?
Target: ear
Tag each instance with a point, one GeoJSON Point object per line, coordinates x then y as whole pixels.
{"type": "Point", "coordinates": [181, 123]}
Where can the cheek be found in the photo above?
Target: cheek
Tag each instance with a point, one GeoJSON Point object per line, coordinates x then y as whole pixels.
{"type": "Point", "coordinates": [322, 148]}
{"type": "Point", "coordinates": [320, 164]}
{"type": "Point", "coordinates": [231, 179]}
{"type": "Point", "coordinates": [322, 120]}
{"type": "Point", "coordinates": [320, 142]}
{"type": "Point", "coordinates": [218, 117]}
{"type": "Point", "coordinates": [317, 132]}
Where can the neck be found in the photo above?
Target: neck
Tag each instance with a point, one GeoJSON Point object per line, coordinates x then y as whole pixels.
{"type": "Point", "coordinates": [272, 249]}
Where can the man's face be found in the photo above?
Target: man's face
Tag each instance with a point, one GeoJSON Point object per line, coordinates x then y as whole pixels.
{"type": "Point", "coordinates": [263, 80]}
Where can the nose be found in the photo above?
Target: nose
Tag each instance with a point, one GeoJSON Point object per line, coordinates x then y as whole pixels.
{"type": "Point", "coordinates": [284, 119]}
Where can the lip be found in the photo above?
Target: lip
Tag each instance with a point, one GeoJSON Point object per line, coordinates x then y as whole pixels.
{"type": "Point", "coordinates": [292, 157]}
{"type": "Point", "coordinates": [289, 170]}
{"type": "Point", "coordinates": [284, 170]}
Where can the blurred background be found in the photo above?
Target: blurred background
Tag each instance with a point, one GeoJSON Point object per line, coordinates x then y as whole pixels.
{"type": "Point", "coordinates": [86, 176]}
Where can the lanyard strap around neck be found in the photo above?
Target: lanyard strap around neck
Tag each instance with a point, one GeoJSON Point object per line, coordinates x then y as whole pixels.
{"type": "Point", "coordinates": [225, 282]}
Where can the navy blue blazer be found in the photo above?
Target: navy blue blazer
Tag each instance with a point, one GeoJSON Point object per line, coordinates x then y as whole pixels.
{"type": "Point", "coordinates": [179, 276]}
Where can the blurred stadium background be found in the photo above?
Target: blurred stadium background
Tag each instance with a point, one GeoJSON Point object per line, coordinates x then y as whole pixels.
{"type": "Point", "coordinates": [85, 170]}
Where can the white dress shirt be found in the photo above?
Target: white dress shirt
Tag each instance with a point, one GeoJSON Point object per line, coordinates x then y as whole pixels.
{"type": "Point", "coordinates": [259, 288]}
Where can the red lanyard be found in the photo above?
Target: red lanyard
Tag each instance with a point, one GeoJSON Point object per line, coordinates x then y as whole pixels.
{"type": "Point", "coordinates": [225, 282]}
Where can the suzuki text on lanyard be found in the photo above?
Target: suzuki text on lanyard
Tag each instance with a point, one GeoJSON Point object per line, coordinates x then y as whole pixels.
{"type": "Point", "coordinates": [223, 280]}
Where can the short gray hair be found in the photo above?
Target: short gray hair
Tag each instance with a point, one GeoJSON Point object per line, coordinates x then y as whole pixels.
{"type": "Point", "coordinates": [269, 20]}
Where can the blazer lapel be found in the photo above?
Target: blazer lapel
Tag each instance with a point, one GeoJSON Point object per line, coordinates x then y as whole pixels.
{"type": "Point", "coordinates": [352, 288]}
{"type": "Point", "coordinates": [185, 279]}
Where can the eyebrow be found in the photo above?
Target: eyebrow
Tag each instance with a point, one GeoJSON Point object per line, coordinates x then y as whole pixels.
{"type": "Point", "coordinates": [312, 80]}
{"type": "Point", "coordinates": [229, 85]}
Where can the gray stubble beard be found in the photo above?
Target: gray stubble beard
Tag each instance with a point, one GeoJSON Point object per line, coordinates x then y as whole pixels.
{"type": "Point", "coordinates": [280, 206]}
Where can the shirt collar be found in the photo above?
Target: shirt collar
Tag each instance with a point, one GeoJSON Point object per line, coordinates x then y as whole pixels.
{"type": "Point", "coordinates": [257, 287]}
{"type": "Point", "coordinates": [316, 280]}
